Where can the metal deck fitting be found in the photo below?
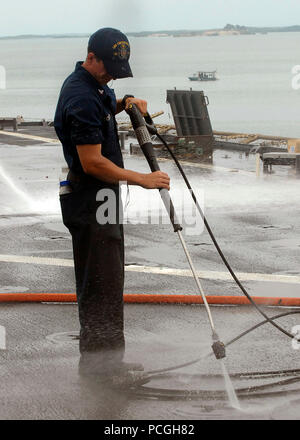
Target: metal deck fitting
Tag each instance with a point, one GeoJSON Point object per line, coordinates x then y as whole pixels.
{"type": "Point", "coordinates": [270, 159]}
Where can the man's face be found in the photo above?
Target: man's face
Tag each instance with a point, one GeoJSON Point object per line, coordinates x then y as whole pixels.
{"type": "Point", "coordinates": [99, 71]}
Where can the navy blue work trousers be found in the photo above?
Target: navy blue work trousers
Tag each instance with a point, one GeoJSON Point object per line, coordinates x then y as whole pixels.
{"type": "Point", "coordinates": [98, 251]}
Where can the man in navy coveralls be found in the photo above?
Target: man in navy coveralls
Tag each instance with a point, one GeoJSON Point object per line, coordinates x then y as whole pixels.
{"type": "Point", "coordinates": [86, 126]}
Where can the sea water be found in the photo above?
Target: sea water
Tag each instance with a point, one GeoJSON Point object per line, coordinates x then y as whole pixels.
{"type": "Point", "coordinates": [254, 92]}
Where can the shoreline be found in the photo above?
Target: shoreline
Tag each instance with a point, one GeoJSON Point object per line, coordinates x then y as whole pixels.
{"type": "Point", "coordinates": [226, 31]}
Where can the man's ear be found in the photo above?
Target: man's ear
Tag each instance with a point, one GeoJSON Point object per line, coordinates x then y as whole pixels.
{"type": "Point", "coordinates": [90, 57]}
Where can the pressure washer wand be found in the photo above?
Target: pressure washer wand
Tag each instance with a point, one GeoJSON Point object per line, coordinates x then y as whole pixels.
{"type": "Point", "coordinates": [142, 126]}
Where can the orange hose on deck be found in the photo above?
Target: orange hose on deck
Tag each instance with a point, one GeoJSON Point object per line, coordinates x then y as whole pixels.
{"type": "Point", "coordinates": [154, 299]}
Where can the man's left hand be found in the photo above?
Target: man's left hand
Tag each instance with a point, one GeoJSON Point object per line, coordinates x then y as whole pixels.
{"type": "Point", "coordinates": [140, 103]}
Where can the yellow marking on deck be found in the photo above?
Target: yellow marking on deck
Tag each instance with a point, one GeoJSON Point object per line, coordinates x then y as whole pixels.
{"type": "Point", "coordinates": [30, 136]}
{"type": "Point", "coordinates": [213, 275]}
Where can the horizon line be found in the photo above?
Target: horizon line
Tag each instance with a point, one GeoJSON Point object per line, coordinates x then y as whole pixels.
{"type": "Point", "coordinates": [85, 34]}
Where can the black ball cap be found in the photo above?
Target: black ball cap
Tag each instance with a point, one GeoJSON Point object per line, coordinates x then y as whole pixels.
{"type": "Point", "coordinates": [112, 47]}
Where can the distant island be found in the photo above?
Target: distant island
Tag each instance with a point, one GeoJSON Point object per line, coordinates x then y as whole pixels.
{"type": "Point", "coordinates": [30, 36]}
{"type": "Point", "coordinates": [229, 29]}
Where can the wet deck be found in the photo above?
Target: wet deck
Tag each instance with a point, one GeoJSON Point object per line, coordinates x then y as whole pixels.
{"type": "Point", "coordinates": [256, 222]}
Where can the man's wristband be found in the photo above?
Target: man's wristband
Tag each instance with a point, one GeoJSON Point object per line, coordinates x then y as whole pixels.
{"type": "Point", "coordinates": [124, 100]}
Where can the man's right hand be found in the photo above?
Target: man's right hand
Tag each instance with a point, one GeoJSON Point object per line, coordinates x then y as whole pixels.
{"type": "Point", "coordinates": [98, 166]}
{"type": "Point", "coordinates": [157, 179]}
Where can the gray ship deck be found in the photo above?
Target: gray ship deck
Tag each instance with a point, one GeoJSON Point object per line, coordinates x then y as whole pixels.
{"type": "Point", "coordinates": [256, 222]}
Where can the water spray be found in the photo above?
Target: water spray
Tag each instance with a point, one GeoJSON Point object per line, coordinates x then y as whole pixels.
{"type": "Point", "coordinates": [143, 126]}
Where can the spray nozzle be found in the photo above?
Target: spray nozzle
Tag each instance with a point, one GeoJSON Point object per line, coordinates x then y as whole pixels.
{"type": "Point", "coordinates": [218, 347]}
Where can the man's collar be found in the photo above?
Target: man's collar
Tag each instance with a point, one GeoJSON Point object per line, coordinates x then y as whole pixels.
{"type": "Point", "coordinates": [87, 76]}
{"type": "Point", "coordinates": [104, 91]}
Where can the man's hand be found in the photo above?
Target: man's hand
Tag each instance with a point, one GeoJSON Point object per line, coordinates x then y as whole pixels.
{"type": "Point", "coordinates": [98, 166]}
{"type": "Point", "coordinates": [140, 103]}
{"type": "Point", "coordinates": [157, 179]}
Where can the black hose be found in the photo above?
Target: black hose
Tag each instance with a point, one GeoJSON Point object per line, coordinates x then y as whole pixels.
{"type": "Point", "coordinates": [224, 259]}
{"type": "Point", "coordinates": [248, 392]}
{"type": "Point", "coordinates": [187, 364]}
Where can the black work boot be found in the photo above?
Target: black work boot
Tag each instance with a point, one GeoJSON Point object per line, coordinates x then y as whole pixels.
{"type": "Point", "coordinates": [105, 369]}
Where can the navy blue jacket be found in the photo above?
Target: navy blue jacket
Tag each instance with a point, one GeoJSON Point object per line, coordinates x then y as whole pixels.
{"type": "Point", "coordinates": [85, 114]}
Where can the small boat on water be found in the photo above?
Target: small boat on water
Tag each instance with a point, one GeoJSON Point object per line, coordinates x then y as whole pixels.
{"type": "Point", "coordinates": [204, 76]}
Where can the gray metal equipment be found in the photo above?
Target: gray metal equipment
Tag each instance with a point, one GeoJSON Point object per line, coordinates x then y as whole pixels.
{"type": "Point", "coordinates": [192, 122]}
{"type": "Point", "coordinates": [189, 109]}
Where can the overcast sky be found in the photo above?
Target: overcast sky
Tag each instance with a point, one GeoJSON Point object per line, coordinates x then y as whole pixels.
{"type": "Point", "coordinates": [84, 16]}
